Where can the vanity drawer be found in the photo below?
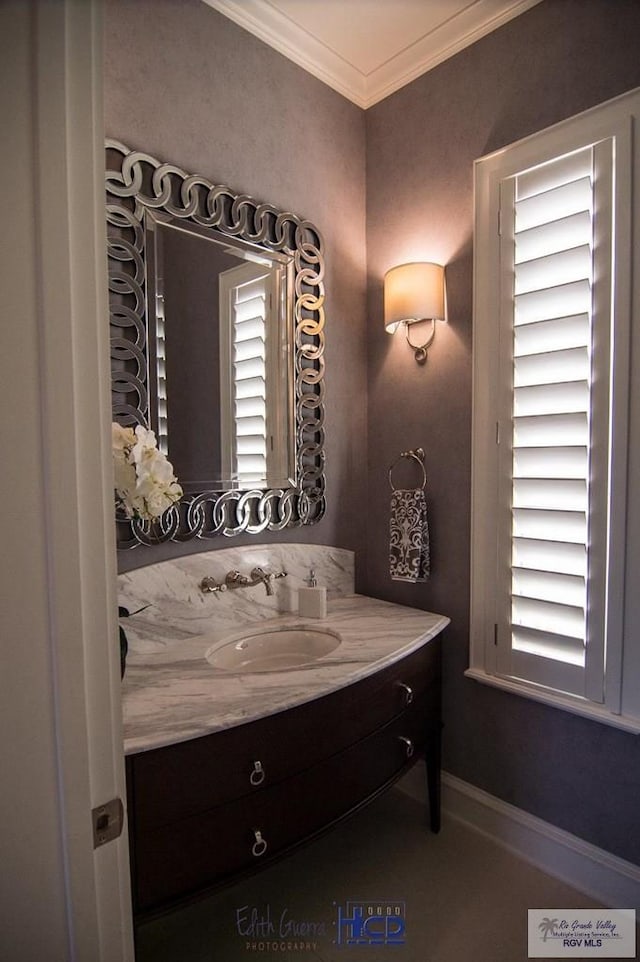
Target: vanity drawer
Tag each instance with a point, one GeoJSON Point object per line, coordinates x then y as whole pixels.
{"type": "Point", "coordinates": [189, 855]}
{"type": "Point", "coordinates": [179, 781]}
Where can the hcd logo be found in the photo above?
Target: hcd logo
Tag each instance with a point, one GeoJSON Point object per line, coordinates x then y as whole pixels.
{"type": "Point", "coordinates": [368, 922]}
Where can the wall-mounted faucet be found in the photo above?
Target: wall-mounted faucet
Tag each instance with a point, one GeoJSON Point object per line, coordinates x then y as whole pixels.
{"type": "Point", "coordinates": [235, 580]}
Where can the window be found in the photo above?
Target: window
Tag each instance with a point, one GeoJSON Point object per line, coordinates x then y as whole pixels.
{"type": "Point", "coordinates": [245, 305]}
{"type": "Point", "coordinates": [551, 374]}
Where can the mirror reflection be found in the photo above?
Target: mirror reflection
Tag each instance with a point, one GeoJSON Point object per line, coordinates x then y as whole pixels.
{"type": "Point", "coordinates": [220, 366]}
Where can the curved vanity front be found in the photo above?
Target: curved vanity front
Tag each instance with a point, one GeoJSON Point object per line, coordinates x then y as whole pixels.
{"type": "Point", "coordinates": [226, 771]}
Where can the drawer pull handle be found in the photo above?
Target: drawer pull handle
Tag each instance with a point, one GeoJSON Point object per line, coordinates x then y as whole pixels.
{"type": "Point", "coordinates": [257, 775]}
{"type": "Point", "coordinates": [408, 745]}
{"type": "Point", "coordinates": [408, 692]}
{"type": "Point", "coordinates": [259, 847]}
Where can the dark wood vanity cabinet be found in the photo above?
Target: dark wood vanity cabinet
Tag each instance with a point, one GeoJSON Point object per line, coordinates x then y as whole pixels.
{"type": "Point", "coordinates": [205, 811]}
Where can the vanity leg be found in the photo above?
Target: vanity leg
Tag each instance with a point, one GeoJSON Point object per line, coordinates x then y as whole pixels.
{"type": "Point", "coordinates": [432, 764]}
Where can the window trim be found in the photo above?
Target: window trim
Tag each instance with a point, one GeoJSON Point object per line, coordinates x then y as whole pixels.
{"type": "Point", "coordinates": [570, 703]}
{"type": "Point", "coordinates": [613, 119]}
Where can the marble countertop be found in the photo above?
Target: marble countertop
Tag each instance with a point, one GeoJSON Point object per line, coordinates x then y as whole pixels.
{"type": "Point", "coordinates": [172, 694]}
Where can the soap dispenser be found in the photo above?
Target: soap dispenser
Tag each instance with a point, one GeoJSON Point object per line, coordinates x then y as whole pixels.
{"type": "Point", "coordinates": [312, 601]}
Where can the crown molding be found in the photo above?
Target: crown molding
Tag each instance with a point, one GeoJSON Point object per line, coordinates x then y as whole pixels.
{"type": "Point", "coordinates": [450, 38]}
{"type": "Point", "coordinates": [284, 35]}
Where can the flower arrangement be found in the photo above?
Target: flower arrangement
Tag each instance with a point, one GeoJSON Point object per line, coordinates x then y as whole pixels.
{"type": "Point", "coordinates": [144, 480]}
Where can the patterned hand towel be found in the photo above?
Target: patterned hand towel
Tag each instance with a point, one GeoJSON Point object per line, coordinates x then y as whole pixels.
{"type": "Point", "coordinates": [409, 556]}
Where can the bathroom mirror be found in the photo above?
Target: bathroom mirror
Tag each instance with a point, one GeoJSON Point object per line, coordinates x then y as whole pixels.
{"type": "Point", "coordinates": [216, 321]}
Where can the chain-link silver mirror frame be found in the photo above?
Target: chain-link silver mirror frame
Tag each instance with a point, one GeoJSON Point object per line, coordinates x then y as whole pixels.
{"type": "Point", "coordinates": [191, 197]}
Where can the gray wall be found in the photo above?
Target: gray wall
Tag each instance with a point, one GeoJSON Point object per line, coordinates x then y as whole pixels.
{"type": "Point", "coordinates": [555, 60]}
{"type": "Point", "coordinates": [190, 87]}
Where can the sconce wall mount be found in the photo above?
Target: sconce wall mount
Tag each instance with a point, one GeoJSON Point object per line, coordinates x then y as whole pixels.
{"type": "Point", "coordinates": [414, 293]}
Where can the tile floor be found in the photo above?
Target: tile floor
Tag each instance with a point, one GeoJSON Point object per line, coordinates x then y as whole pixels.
{"type": "Point", "coordinates": [465, 898]}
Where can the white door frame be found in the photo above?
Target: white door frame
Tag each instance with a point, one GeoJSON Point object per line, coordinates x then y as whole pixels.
{"type": "Point", "coordinates": [60, 698]}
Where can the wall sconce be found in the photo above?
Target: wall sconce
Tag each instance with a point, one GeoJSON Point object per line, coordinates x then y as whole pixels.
{"type": "Point", "coordinates": [414, 293]}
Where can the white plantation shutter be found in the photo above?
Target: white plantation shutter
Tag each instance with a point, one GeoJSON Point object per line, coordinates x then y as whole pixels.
{"type": "Point", "coordinates": [555, 324]}
{"type": "Point", "coordinates": [249, 379]}
{"type": "Point", "coordinates": [555, 550]}
{"type": "Point", "coordinates": [246, 409]}
{"type": "Point", "coordinates": [162, 415]}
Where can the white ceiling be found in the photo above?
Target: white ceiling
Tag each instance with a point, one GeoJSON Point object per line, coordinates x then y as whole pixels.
{"type": "Point", "coordinates": [366, 49]}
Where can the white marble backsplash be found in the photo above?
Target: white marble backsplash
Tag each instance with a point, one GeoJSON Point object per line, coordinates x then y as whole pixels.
{"type": "Point", "coordinates": [177, 608]}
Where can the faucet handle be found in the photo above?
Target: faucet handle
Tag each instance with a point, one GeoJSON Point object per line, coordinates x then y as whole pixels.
{"type": "Point", "coordinates": [210, 584]}
{"type": "Point", "coordinates": [235, 580]}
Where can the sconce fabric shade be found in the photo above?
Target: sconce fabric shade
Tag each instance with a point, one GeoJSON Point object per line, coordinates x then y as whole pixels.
{"type": "Point", "coordinates": [413, 292]}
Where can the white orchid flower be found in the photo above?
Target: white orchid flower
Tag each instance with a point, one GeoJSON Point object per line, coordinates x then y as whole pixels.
{"type": "Point", "coordinates": [144, 481]}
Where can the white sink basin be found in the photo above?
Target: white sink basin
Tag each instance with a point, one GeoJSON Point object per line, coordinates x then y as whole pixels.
{"type": "Point", "coordinates": [273, 649]}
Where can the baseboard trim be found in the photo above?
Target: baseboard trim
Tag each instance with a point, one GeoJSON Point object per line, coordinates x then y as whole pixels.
{"type": "Point", "coordinates": [593, 871]}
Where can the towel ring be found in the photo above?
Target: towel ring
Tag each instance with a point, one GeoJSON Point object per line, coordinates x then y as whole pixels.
{"type": "Point", "coordinates": [417, 455]}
